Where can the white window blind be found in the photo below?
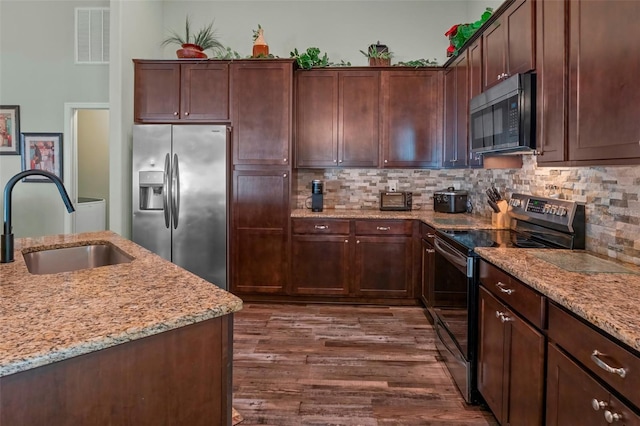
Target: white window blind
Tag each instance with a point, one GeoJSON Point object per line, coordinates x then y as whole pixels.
{"type": "Point", "coordinates": [92, 35]}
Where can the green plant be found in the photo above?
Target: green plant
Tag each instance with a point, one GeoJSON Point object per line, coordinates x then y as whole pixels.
{"type": "Point", "coordinates": [417, 63]}
{"type": "Point", "coordinates": [463, 32]}
{"type": "Point", "coordinates": [310, 58]}
{"type": "Point", "coordinates": [256, 33]}
{"type": "Point", "coordinates": [374, 52]}
{"type": "Point", "coordinates": [227, 53]}
{"type": "Point", "coordinates": [205, 38]}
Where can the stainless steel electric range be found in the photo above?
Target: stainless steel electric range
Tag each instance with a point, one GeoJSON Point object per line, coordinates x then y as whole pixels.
{"type": "Point", "coordinates": [536, 222]}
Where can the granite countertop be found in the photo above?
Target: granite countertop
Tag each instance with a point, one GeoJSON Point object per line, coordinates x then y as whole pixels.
{"type": "Point", "coordinates": [437, 220]}
{"type": "Point", "coordinates": [603, 291]}
{"type": "Point", "coordinates": [49, 318]}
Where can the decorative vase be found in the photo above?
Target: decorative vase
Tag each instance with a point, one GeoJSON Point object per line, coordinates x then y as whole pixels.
{"type": "Point", "coordinates": [379, 62]}
{"type": "Point", "coordinates": [260, 47]}
{"type": "Point", "coordinates": [190, 51]}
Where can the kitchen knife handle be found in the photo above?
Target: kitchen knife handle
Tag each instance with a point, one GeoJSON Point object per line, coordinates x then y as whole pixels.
{"type": "Point", "coordinates": [165, 190]}
{"type": "Point", "coordinates": [175, 193]}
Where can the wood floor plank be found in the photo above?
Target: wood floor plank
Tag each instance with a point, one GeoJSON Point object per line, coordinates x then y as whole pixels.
{"type": "Point", "coordinates": [342, 365]}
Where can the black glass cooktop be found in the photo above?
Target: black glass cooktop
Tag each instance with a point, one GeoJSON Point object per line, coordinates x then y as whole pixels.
{"type": "Point", "coordinates": [470, 239]}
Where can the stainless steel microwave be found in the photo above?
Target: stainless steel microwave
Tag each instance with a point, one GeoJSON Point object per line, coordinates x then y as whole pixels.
{"type": "Point", "coordinates": [503, 117]}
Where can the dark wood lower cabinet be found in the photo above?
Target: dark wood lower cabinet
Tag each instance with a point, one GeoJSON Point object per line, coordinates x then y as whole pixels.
{"type": "Point", "coordinates": [178, 377]}
{"type": "Point", "coordinates": [355, 260]}
{"type": "Point", "coordinates": [574, 397]}
{"type": "Point", "coordinates": [511, 357]}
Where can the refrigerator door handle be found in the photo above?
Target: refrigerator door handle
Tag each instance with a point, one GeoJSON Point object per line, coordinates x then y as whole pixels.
{"type": "Point", "coordinates": [175, 193]}
{"type": "Point", "coordinates": [165, 190]}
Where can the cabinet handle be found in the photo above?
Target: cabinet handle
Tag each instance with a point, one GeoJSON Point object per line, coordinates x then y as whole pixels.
{"type": "Point", "coordinates": [597, 405]}
{"type": "Point", "coordinates": [430, 250]}
{"type": "Point", "coordinates": [606, 367]}
{"type": "Point", "coordinates": [501, 287]}
{"type": "Point", "coordinates": [612, 417]}
{"type": "Point", "coordinates": [431, 235]}
{"type": "Point", "coordinates": [186, 113]}
{"type": "Point", "coordinates": [503, 317]}
{"type": "Point", "coordinates": [340, 161]}
{"type": "Point", "coordinates": [335, 161]}
{"type": "Point", "coordinates": [321, 226]}
{"type": "Point", "coordinates": [383, 228]}
{"type": "Point", "coordinates": [175, 114]}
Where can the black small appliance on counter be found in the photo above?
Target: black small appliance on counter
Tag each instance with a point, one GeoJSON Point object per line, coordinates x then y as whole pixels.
{"type": "Point", "coordinates": [450, 200]}
{"type": "Point", "coordinates": [317, 200]}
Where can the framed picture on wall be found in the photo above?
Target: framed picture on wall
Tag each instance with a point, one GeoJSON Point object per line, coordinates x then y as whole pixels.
{"type": "Point", "coordinates": [9, 130]}
{"type": "Point", "coordinates": [42, 151]}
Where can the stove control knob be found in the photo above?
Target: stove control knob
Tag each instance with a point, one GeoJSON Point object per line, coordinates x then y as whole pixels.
{"type": "Point", "coordinates": [562, 211]}
{"type": "Point", "coordinates": [553, 209]}
{"type": "Point", "coordinates": [546, 209]}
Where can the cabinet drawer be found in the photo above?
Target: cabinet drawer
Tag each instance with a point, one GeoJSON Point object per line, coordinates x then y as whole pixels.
{"type": "Point", "coordinates": [520, 297]}
{"type": "Point", "coordinates": [581, 341]}
{"type": "Point", "coordinates": [384, 227]}
{"type": "Point", "coordinates": [320, 226]}
{"type": "Point", "coordinates": [427, 232]}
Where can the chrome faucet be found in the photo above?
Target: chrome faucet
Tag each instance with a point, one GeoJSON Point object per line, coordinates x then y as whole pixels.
{"type": "Point", "coordinates": [7, 237]}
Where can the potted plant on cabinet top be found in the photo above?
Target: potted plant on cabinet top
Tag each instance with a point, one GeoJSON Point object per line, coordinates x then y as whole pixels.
{"type": "Point", "coordinates": [379, 55]}
{"type": "Point", "coordinates": [194, 45]}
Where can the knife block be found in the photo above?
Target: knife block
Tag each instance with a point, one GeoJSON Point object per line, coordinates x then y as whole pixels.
{"type": "Point", "coordinates": [501, 220]}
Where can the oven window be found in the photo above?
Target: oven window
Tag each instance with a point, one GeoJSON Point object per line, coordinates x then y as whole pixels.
{"type": "Point", "coordinates": [451, 300]}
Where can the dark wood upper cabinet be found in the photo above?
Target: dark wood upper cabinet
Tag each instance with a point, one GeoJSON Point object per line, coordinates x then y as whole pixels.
{"type": "Point", "coordinates": [551, 88]}
{"type": "Point", "coordinates": [411, 118]}
{"type": "Point", "coordinates": [171, 91]}
{"type": "Point", "coordinates": [261, 111]}
{"type": "Point", "coordinates": [508, 43]}
{"type": "Point", "coordinates": [456, 113]}
{"type": "Point", "coordinates": [604, 88]}
{"type": "Point", "coordinates": [337, 118]}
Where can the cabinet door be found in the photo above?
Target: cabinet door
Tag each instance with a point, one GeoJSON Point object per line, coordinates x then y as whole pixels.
{"type": "Point", "coordinates": [205, 91]}
{"type": "Point", "coordinates": [604, 96]}
{"type": "Point", "coordinates": [571, 392]}
{"type": "Point", "coordinates": [156, 92]}
{"type": "Point", "coordinates": [491, 353]}
{"type": "Point", "coordinates": [456, 145]}
{"type": "Point", "coordinates": [551, 88]}
{"type": "Point", "coordinates": [520, 50]}
{"type": "Point", "coordinates": [320, 265]}
{"type": "Point", "coordinates": [411, 118]}
{"type": "Point", "coordinates": [383, 266]}
{"type": "Point", "coordinates": [494, 41]}
{"type": "Point", "coordinates": [260, 231]}
{"type": "Point", "coordinates": [475, 87]}
{"type": "Point", "coordinates": [358, 118]}
{"type": "Point", "coordinates": [317, 119]}
{"type": "Point", "coordinates": [524, 379]}
{"type": "Point", "coordinates": [261, 111]}
{"type": "Point", "coordinates": [427, 277]}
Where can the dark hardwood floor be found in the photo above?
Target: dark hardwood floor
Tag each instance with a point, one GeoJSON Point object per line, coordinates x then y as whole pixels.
{"type": "Point", "coordinates": [342, 365]}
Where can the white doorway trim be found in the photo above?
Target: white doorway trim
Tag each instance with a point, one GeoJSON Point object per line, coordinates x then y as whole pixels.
{"type": "Point", "coordinates": [70, 153]}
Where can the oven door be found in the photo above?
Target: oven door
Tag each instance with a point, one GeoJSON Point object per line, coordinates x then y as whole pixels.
{"type": "Point", "coordinates": [453, 314]}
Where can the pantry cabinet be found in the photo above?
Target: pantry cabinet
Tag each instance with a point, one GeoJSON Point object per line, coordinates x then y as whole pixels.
{"type": "Point", "coordinates": [177, 92]}
{"type": "Point", "coordinates": [509, 43]}
{"type": "Point", "coordinates": [337, 118]}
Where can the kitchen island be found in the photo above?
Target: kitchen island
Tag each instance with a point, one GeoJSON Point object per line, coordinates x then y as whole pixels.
{"type": "Point", "coordinates": [143, 342]}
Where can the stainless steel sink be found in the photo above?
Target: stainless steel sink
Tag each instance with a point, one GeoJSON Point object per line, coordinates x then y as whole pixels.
{"type": "Point", "coordinates": [75, 258]}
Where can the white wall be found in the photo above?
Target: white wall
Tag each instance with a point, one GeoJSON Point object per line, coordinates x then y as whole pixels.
{"type": "Point", "coordinates": [93, 153]}
{"type": "Point", "coordinates": [37, 72]}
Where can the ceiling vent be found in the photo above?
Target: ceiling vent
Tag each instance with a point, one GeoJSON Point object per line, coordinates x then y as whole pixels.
{"type": "Point", "coordinates": [92, 35]}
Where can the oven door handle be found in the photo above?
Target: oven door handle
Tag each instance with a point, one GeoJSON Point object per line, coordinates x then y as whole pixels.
{"type": "Point", "coordinates": [455, 354]}
{"type": "Point", "coordinates": [459, 260]}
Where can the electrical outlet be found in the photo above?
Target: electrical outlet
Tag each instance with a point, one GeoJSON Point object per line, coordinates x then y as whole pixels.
{"type": "Point", "coordinates": [393, 186]}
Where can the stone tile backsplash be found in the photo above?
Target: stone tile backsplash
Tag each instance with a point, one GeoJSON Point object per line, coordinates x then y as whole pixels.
{"type": "Point", "coordinates": [611, 194]}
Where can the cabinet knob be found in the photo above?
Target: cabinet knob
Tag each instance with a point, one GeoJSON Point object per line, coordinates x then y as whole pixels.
{"type": "Point", "coordinates": [386, 161]}
{"type": "Point", "coordinates": [284, 175]}
{"type": "Point", "coordinates": [186, 113]}
{"type": "Point", "coordinates": [346, 241]}
{"type": "Point", "coordinates": [284, 160]}
{"type": "Point", "coordinates": [340, 161]}
{"type": "Point", "coordinates": [335, 161]}
{"type": "Point", "coordinates": [597, 405]}
{"type": "Point", "coordinates": [357, 241]}
{"type": "Point", "coordinates": [612, 417]}
{"type": "Point", "coordinates": [175, 114]}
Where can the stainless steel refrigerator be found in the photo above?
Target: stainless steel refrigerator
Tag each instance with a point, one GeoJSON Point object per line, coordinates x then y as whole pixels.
{"type": "Point", "coordinates": [180, 196]}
